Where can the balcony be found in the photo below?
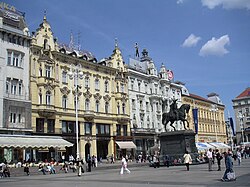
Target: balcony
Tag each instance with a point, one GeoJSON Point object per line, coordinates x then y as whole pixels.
{"type": "Point", "coordinates": [89, 115]}
{"type": "Point", "coordinates": [16, 97]}
{"type": "Point", "coordinates": [46, 110]}
{"type": "Point", "coordinates": [122, 118]}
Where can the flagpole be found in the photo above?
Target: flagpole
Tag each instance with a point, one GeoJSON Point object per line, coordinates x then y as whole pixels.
{"type": "Point", "coordinates": [231, 138]}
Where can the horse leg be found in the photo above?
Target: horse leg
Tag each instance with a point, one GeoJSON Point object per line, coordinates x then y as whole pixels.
{"type": "Point", "coordinates": [183, 121]}
{"type": "Point", "coordinates": [172, 125]}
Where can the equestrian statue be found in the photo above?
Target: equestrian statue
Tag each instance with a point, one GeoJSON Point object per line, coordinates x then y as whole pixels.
{"type": "Point", "coordinates": [175, 114]}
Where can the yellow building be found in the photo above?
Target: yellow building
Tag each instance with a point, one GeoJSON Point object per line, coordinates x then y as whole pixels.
{"type": "Point", "coordinates": [103, 109]}
{"type": "Point", "coordinates": [211, 121]}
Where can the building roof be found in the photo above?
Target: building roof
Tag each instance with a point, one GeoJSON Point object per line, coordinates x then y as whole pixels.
{"type": "Point", "coordinates": [245, 93]}
{"type": "Point", "coordinates": [199, 97]}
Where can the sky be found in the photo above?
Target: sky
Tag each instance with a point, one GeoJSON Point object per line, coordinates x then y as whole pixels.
{"type": "Point", "coordinates": [206, 43]}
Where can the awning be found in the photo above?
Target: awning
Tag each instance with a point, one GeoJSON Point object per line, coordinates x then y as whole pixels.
{"type": "Point", "coordinates": [219, 145]}
{"type": "Point", "coordinates": [126, 145]}
{"type": "Point", "coordinates": [203, 146]}
{"type": "Point", "coordinates": [28, 141]}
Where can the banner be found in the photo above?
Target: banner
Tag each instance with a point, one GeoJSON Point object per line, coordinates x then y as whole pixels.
{"type": "Point", "coordinates": [232, 125]}
{"type": "Point", "coordinates": [195, 117]}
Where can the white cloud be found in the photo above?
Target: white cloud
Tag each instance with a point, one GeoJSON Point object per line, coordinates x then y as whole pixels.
{"type": "Point", "coordinates": [191, 41]}
{"type": "Point", "coordinates": [215, 46]}
{"type": "Point", "coordinates": [180, 1]}
{"type": "Point", "coordinates": [227, 4]}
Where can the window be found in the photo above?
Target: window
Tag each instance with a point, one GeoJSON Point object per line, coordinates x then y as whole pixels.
{"type": "Point", "coordinates": [14, 86]}
{"type": "Point", "coordinates": [40, 98]}
{"type": "Point", "coordinates": [50, 125]}
{"type": "Point", "coordinates": [103, 129]}
{"type": "Point", "coordinates": [14, 58]}
{"type": "Point", "coordinates": [106, 86]}
{"type": "Point", "coordinates": [48, 98]}
{"type": "Point", "coordinates": [118, 108]}
{"type": "Point", "coordinates": [41, 71]}
{"type": "Point", "coordinates": [122, 88]}
{"type": "Point", "coordinates": [97, 86]}
{"type": "Point", "coordinates": [97, 106]}
{"type": "Point", "coordinates": [39, 124]}
{"type": "Point", "coordinates": [132, 85]}
{"type": "Point", "coordinates": [123, 108]}
{"type": "Point", "coordinates": [146, 88]}
{"type": "Point", "coordinates": [106, 107]}
{"type": "Point", "coordinates": [19, 118]}
{"type": "Point", "coordinates": [64, 77]}
{"type": "Point", "coordinates": [68, 127]}
{"type": "Point", "coordinates": [88, 128]}
{"type": "Point", "coordinates": [48, 71]}
{"type": "Point", "coordinates": [139, 87]}
{"type": "Point", "coordinates": [117, 87]}
{"type": "Point", "coordinates": [87, 104]}
{"type": "Point", "coordinates": [12, 117]}
{"type": "Point", "coordinates": [125, 129]}
{"type": "Point", "coordinates": [86, 82]}
{"type": "Point", "coordinates": [64, 102]}
{"type": "Point", "coordinates": [118, 130]}
{"type": "Point", "coordinates": [20, 88]}
{"type": "Point", "coordinates": [133, 104]}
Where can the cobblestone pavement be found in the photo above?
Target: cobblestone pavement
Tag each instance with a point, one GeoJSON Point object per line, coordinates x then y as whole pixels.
{"type": "Point", "coordinates": [142, 176]}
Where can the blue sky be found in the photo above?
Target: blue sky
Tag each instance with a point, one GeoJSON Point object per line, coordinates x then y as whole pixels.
{"type": "Point", "coordinates": [206, 43]}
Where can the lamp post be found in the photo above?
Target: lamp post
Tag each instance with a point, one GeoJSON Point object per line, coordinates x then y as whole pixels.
{"type": "Point", "coordinates": [215, 109]}
{"type": "Point", "coordinates": [76, 74]}
{"type": "Point", "coordinates": [241, 116]}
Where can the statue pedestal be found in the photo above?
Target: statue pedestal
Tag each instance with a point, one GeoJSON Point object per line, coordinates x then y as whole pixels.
{"type": "Point", "coordinates": [176, 143]}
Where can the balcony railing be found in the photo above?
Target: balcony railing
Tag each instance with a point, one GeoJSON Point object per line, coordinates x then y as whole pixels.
{"type": "Point", "coordinates": [16, 97]}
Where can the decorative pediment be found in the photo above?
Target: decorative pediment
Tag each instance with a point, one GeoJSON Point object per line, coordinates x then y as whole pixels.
{"type": "Point", "coordinates": [49, 86]}
{"type": "Point", "coordinates": [87, 94]}
{"type": "Point", "coordinates": [97, 96]}
{"type": "Point", "coordinates": [107, 98]}
{"type": "Point", "coordinates": [65, 90]}
{"type": "Point", "coordinates": [79, 93]}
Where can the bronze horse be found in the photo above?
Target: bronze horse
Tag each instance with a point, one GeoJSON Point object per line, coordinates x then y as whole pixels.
{"type": "Point", "coordinates": [178, 115]}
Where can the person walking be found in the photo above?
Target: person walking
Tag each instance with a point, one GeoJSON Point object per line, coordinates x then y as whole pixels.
{"type": "Point", "coordinates": [238, 154]}
{"type": "Point", "coordinates": [124, 166]}
{"type": "Point", "coordinates": [218, 157]}
{"type": "Point", "coordinates": [210, 159]}
{"type": "Point", "coordinates": [187, 160]}
{"type": "Point", "coordinates": [27, 169]}
{"type": "Point", "coordinates": [229, 168]}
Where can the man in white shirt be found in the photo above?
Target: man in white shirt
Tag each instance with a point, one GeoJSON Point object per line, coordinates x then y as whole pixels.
{"type": "Point", "coordinates": [124, 165]}
{"type": "Point", "coordinates": [210, 159]}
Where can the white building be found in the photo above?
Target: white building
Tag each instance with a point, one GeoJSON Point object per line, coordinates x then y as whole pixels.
{"type": "Point", "coordinates": [147, 91]}
{"type": "Point", "coordinates": [15, 104]}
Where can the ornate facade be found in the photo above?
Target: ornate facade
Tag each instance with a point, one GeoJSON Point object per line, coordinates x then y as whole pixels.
{"type": "Point", "coordinates": [103, 108]}
{"type": "Point", "coordinates": [211, 120]}
{"type": "Point", "coordinates": [147, 90]}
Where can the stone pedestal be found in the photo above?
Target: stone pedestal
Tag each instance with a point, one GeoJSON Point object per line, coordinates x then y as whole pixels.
{"type": "Point", "coordinates": [176, 143]}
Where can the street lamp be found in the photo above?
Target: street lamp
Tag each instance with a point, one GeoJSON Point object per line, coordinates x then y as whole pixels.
{"type": "Point", "coordinates": [215, 109]}
{"type": "Point", "coordinates": [241, 116]}
{"type": "Point", "coordinates": [76, 74]}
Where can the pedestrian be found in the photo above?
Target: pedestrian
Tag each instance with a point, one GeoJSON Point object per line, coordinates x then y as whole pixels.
{"type": "Point", "coordinates": [112, 159]}
{"type": "Point", "coordinates": [229, 173]}
{"type": "Point", "coordinates": [6, 171]}
{"type": "Point", "coordinates": [1, 169]}
{"type": "Point", "coordinates": [156, 161]}
{"type": "Point", "coordinates": [167, 160]}
{"type": "Point", "coordinates": [124, 166]}
{"type": "Point", "coordinates": [187, 160]}
{"type": "Point", "coordinates": [210, 158]}
{"type": "Point", "coordinates": [27, 169]}
{"type": "Point", "coordinates": [238, 154]}
{"type": "Point", "coordinates": [218, 157]}
{"type": "Point", "coordinates": [40, 168]}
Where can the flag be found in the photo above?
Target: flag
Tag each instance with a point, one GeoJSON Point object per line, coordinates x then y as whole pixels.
{"type": "Point", "coordinates": [232, 125]}
{"type": "Point", "coordinates": [195, 117]}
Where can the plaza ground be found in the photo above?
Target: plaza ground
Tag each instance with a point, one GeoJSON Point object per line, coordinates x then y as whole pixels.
{"type": "Point", "coordinates": [141, 176]}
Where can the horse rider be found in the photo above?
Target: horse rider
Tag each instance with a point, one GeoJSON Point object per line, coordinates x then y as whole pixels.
{"type": "Point", "coordinates": [173, 109]}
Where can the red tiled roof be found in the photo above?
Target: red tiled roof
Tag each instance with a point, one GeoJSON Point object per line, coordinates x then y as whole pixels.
{"type": "Point", "coordinates": [245, 93]}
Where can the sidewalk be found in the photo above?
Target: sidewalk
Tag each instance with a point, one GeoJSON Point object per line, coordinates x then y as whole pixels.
{"type": "Point", "coordinates": [34, 170]}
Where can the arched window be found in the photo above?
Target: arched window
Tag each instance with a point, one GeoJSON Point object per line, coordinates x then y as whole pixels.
{"type": "Point", "coordinates": [48, 98]}
{"type": "Point", "coordinates": [123, 108]}
{"type": "Point", "coordinates": [64, 102]}
{"type": "Point", "coordinates": [97, 86]}
{"type": "Point", "coordinates": [97, 106]}
{"type": "Point", "coordinates": [106, 107]}
{"type": "Point", "coordinates": [45, 43]}
{"type": "Point", "coordinates": [40, 98]}
{"type": "Point", "coordinates": [118, 108]}
{"type": "Point", "coordinates": [106, 85]}
{"type": "Point", "coordinates": [87, 104]}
